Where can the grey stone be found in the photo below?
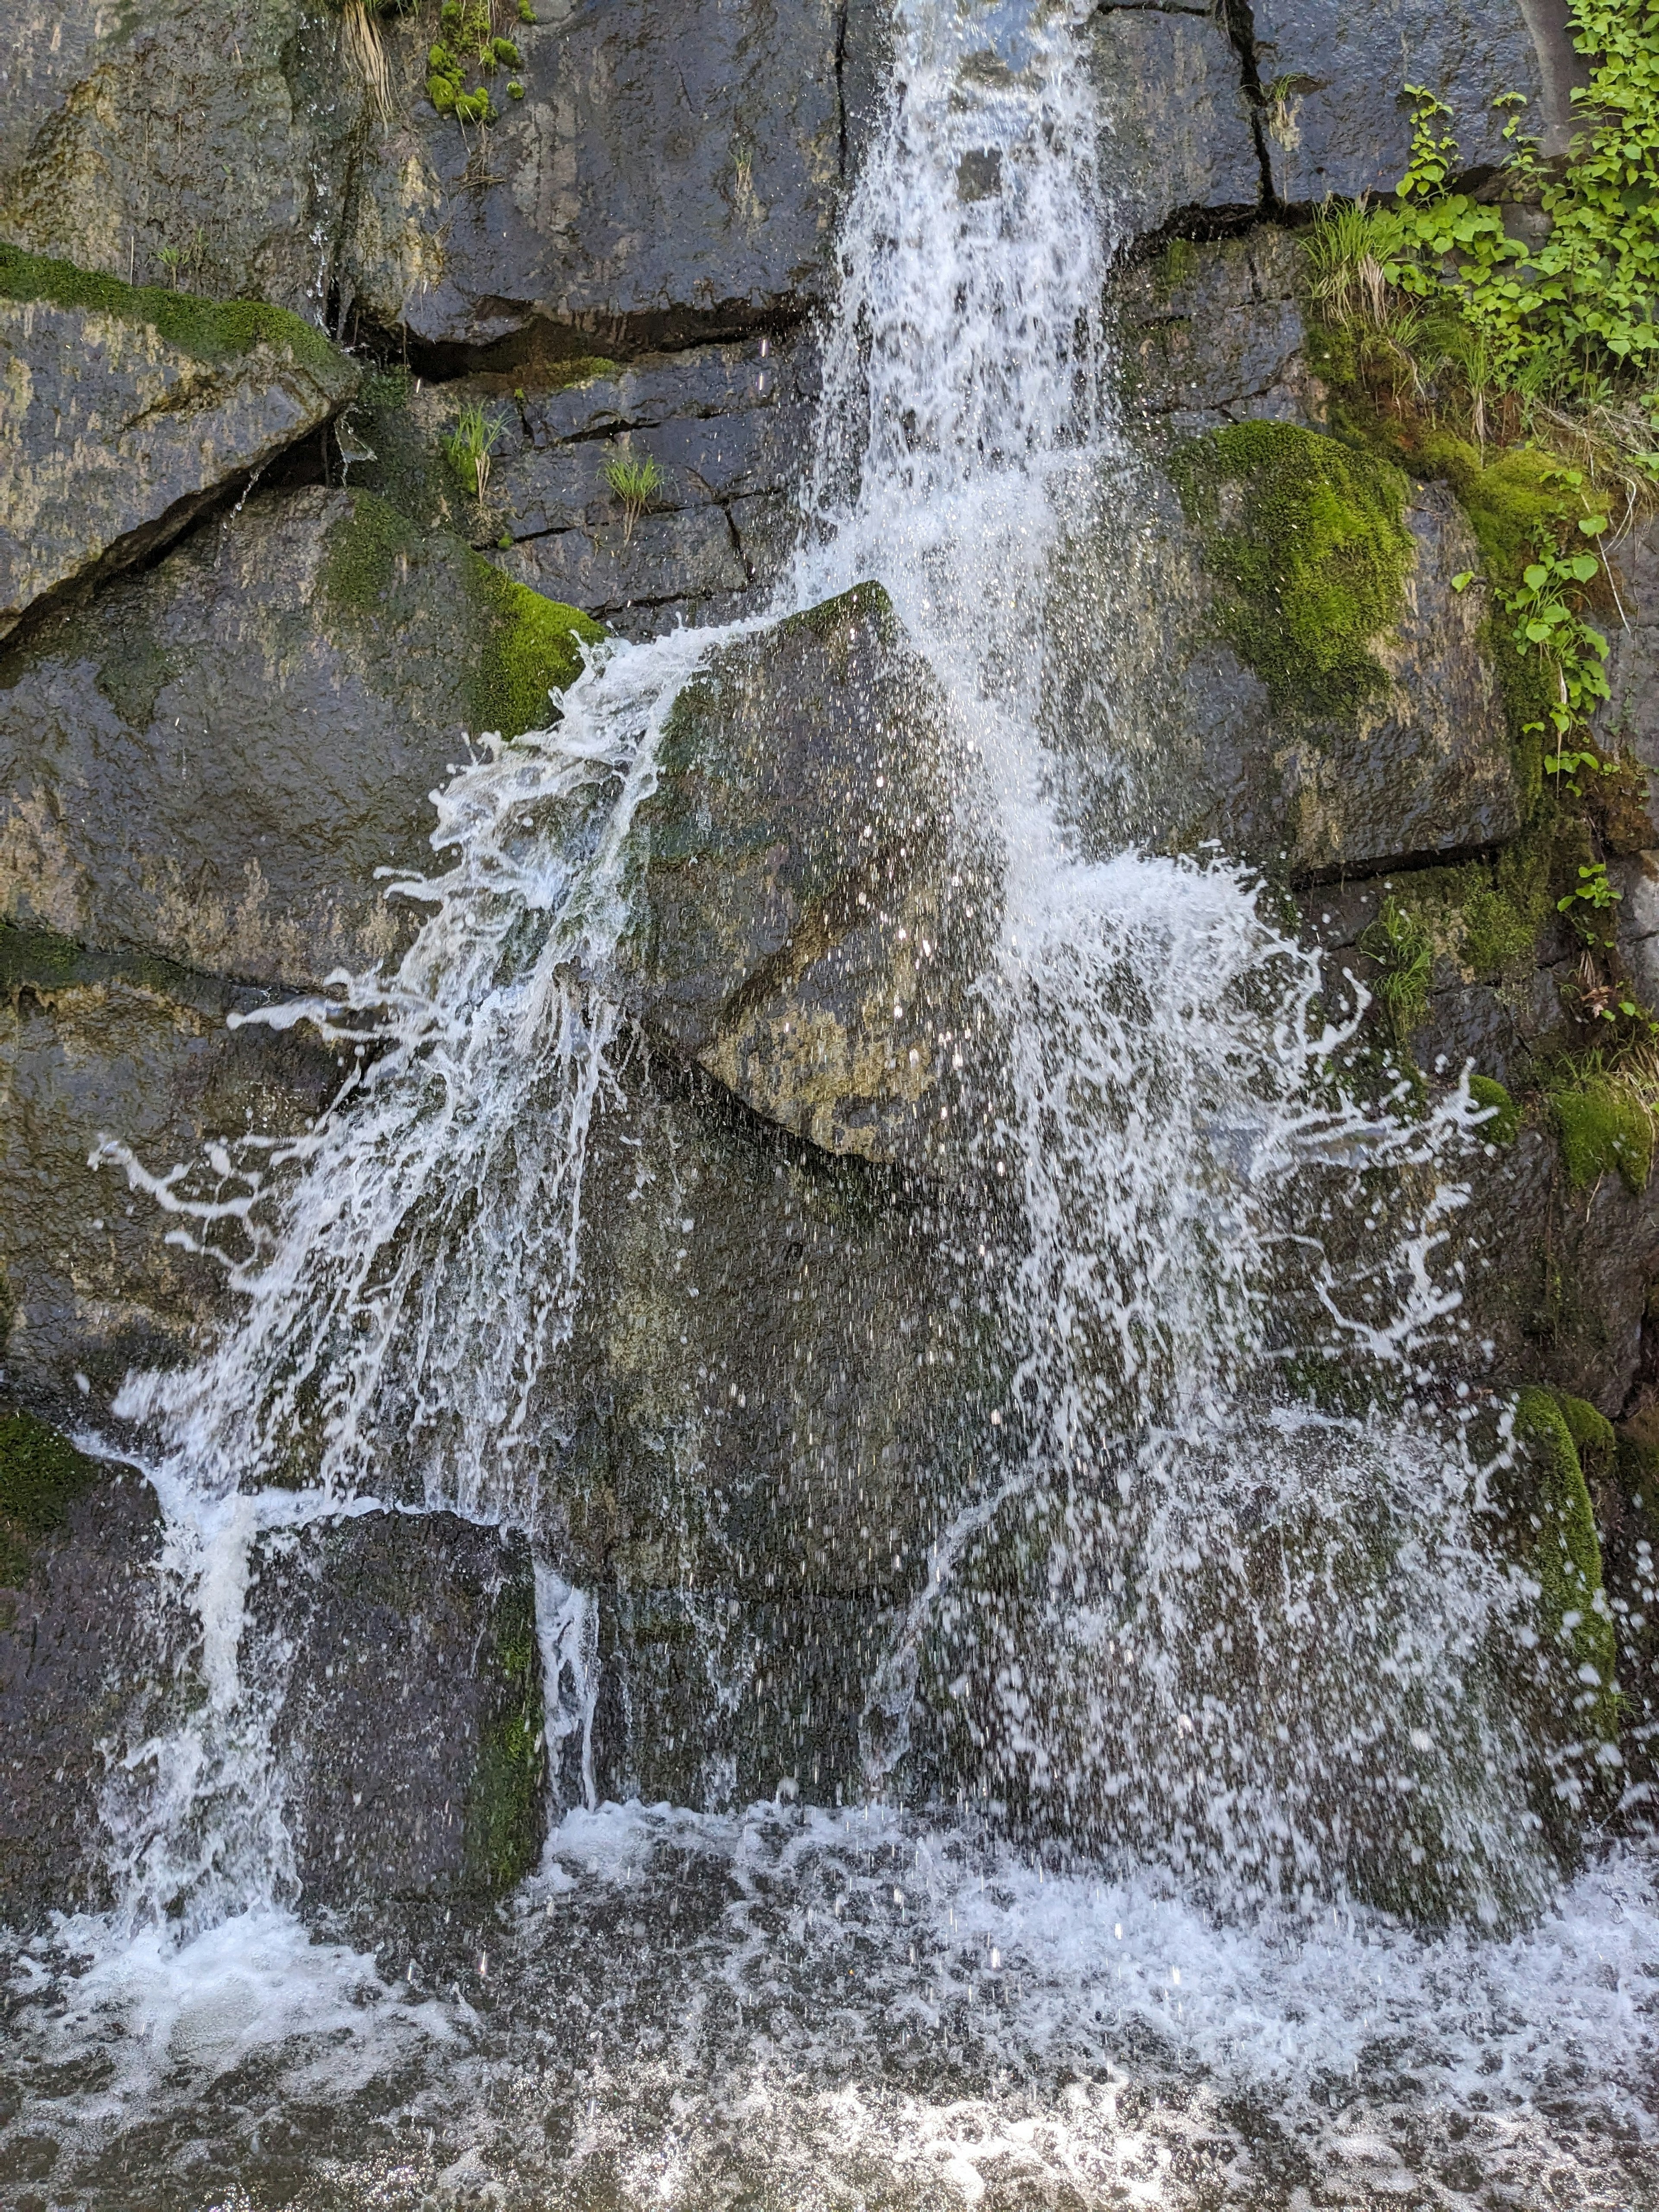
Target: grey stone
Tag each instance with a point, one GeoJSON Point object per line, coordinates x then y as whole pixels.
{"type": "Point", "coordinates": [82, 1645]}
{"type": "Point", "coordinates": [807, 933]}
{"type": "Point", "coordinates": [212, 761]}
{"type": "Point", "coordinates": [669, 172]}
{"type": "Point", "coordinates": [1629, 721]}
{"type": "Point", "coordinates": [1213, 333]}
{"type": "Point", "coordinates": [411, 1736]}
{"type": "Point", "coordinates": [218, 130]}
{"type": "Point", "coordinates": [125, 418]}
{"type": "Point", "coordinates": [1175, 137]}
{"type": "Point", "coordinates": [1336, 118]}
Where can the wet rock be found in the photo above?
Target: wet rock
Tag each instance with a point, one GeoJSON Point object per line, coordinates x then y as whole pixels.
{"type": "Point", "coordinates": [136, 1050]}
{"type": "Point", "coordinates": [727, 428]}
{"type": "Point", "coordinates": [128, 410]}
{"type": "Point", "coordinates": [212, 761]}
{"type": "Point", "coordinates": [671, 173]}
{"type": "Point", "coordinates": [411, 1737]}
{"type": "Point", "coordinates": [1630, 719]}
{"type": "Point", "coordinates": [807, 933]}
{"type": "Point", "coordinates": [80, 1642]}
{"type": "Point", "coordinates": [1387, 749]}
{"type": "Point", "coordinates": [204, 143]}
{"type": "Point", "coordinates": [1336, 118]}
{"type": "Point", "coordinates": [1176, 136]}
{"type": "Point", "coordinates": [1213, 333]}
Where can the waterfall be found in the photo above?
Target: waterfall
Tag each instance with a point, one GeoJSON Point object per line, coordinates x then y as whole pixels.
{"type": "Point", "coordinates": [1137, 1620]}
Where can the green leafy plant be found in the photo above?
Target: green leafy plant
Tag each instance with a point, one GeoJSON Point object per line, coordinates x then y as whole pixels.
{"type": "Point", "coordinates": [636, 483]}
{"type": "Point", "coordinates": [469, 446]}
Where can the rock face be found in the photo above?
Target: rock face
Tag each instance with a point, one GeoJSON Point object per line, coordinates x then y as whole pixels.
{"type": "Point", "coordinates": [805, 933]}
{"type": "Point", "coordinates": [124, 412]}
{"type": "Point", "coordinates": [1177, 137]}
{"type": "Point", "coordinates": [213, 761]}
{"type": "Point", "coordinates": [413, 1735]}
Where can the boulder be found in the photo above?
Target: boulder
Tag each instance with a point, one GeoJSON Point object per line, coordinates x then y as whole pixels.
{"type": "Point", "coordinates": [202, 141]}
{"type": "Point", "coordinates": [807, 931]}
{"type": "Point", "coordinates": [667, 172]}
{"type": "Point", "coordinates": [126, 411]}
{"type": "Point", "coordinates": [411, 1736]}
{"type": "Point", "coordinates": [1175, 139]}
{"type": "Point", "coordinates": [1334, 116]}
{"type": "Point", "coordinates": [211, 761]}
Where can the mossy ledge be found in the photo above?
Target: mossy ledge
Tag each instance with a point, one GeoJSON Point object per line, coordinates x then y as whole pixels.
{"type": "Point", "coordinates": [207, 330]}
{"type": "Point", "coordinates": [516, 646]}
{"type": "Point", "coordinates": [1308, 537]}
{"type": "Point", "coordinates": [41, 1475]}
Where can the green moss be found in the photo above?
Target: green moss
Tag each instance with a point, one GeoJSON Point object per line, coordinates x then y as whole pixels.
{"type": "Point", "coordinates": [1604, 1130]}
{"type": "Point", "coordinates": [505, 1807]}
{"type": "Point", "coordinates": [40, 1475]}
{"type": "Point", "coordinates": [1176, 265]}
{"type": "Point", "coordinates": [364, 549]}
{"type": "Point", "coordinates": [1308, 537]}
{"type": "Point", "coordinates": [1593, 1436]}
{"type": "Point", "coordinates": [1557, 1544]}
{"type": "Point", "coordinates": [529, 645]}
{"type": "Point", "coordinates": [207, 329]}
{"type": "Point", "coordinates": [1504, 1127]}
{"type": "Point", "coordinates": [1508, 906]}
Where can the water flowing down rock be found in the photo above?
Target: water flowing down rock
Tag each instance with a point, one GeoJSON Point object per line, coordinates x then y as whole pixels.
{"type": "Point", "coordinates": [127, 411]}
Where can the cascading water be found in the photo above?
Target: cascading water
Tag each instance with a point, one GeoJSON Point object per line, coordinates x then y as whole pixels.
{"type": "Point", "coordinates": [1220, 1651]}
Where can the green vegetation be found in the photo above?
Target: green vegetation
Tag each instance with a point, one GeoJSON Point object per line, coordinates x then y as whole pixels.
{"type": "Point", "coordinates": [504, 1806]}
{"type": "Point", "coordinates": [1309, 537]}
{"type": "Point", "coordinates": [41, 1475]}
{"type": "Point", "coordinates": [467, 46]}
{"type": "Point", "coordinates": [468, 447]}
{"type": "Point", "coordinates": [1404, 952]}
{"type": "Point", "coordinates": [1504, 1125]}
{"type": "Point", "coordinates": [636, 483]}
{"type": "Point", "coordinates": [1604, 1124]}
{"type": "Point", "coordinates": [514, 645]}
{"type": "Point", "coordinates": [207, 330]}
{"type": "Point", "coordinates": [1554, 1526]}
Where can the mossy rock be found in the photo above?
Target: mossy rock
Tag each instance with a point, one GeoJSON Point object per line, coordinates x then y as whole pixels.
{"type": "Point", "coordinates": [1504, 1125]}
{"type": "Point", "coordinates": [41, 1475]}
{"type": "Point", "coordinates": [514, 645]}
{"type": "Point", "coordinates": [506, 1815]}
{"type": "Point", "coordinates": [1604, 1130]}
{"type": "Point", "coordinates": [1552, 1530]}
{"type": "Point", "coordinates": [1308, 538]}
{"type": "Point", "coordinates": [207, 329]}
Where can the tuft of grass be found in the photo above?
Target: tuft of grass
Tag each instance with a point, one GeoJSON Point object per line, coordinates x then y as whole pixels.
{"type": "Point", "coordinates": [636, 483]}
{"type": "Point", "coordinates": [468, 447]}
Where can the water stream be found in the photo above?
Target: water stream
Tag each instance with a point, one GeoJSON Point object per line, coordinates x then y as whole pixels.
{"type": "Point", "coordinates": [1238, 1694]}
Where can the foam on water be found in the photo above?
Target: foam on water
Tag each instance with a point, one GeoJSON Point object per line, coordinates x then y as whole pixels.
{"type": "Point", "coordinates": [1240, 1684]}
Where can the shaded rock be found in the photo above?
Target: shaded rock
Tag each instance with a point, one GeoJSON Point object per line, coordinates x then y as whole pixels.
{"type": "Point", "coordinates": [411, 1737]}
{"type": "Point", "coordinates": [126, 411]}
{"type": "Point", "coordinates": [80, 1643]}
{"type": "Point", "coordinates": [1214, 333]}
{"type": "Point", "coordinates": [212, 761]}
{"type": "Point", "coordinates": [1336, 118]}
{"type": "Point", "coordinates": [1630, 719]}
{"type": "Point", "coordinates": [1176, 136]}
{"type": "Point", "coordinates": [671, 173]}
{"type": "Point", "coordinates": [216, 131]}
{"type": "Point", "coordinates": [133, 1049]}
{"type": "Point", "coordinates": [807, 934]}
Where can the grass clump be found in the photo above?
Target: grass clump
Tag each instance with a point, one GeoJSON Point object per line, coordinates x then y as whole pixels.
{"type": "Point", "coordinates": [1399, 943]}
{"type": "Point", "coordinates": [207, 329]}
{"type": "Point", "coordinates": [1308, 535]}
{"type": "Point", "coordinates": [468, 447]}
{"type": "Point", "coordinates": [41, 1475]}
{"type": "Point", "coordinates": [636, 483]}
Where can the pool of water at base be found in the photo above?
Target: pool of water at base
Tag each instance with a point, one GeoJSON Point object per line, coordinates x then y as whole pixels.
{"type": "Point", "coordinates": [838, 2013]}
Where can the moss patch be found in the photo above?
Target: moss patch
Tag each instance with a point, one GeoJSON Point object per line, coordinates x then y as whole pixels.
{"type": "Point", "coordinates": [1308, 537]}
{"type": "Point", "coordinates": [207, 330]}
{"type": "Point", "coordinates": [41, 1473]}
{"type": "Point", "coordinates": [1605, 1129]}
{"type": "Point", "coordinates": [505, 1805]}
{"type": "Point", "coordinates": [1556, 1539]}
{"type": "Point", "coordinates": [528, 647]}
{"type": "Point", "coordinates": [1504, 1127]}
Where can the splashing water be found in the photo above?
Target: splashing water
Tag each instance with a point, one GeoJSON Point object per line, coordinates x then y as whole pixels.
{"type": "Point", "coordinates": [1236, 1650]}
